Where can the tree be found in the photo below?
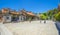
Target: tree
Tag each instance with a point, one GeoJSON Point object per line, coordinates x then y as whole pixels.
{"type": "Point", "coordinates": [43, 17]}
{"type": "Point", "coordinates": [45, 14]}
{"type": "Point", "coordinates": [52, 12]}
{"type": "Point", "coordinates": [57, 16]}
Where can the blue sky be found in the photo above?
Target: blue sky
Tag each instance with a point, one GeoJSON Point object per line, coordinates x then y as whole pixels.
{"type": "Point", "coordinates": [36, 6]}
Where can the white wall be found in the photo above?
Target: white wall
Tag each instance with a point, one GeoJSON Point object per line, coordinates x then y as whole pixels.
{"type": "Point", "coordinates": [7, 20]}
{"type": "Point", "coordinates": [21, 18]}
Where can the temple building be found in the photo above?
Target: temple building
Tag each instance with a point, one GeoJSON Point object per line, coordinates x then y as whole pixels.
{"type": "Point", "coordinates": [8, 15]}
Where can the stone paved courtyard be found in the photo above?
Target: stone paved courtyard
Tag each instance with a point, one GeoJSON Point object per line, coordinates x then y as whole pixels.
{"type": "Point", "coordinates": [33, 28]}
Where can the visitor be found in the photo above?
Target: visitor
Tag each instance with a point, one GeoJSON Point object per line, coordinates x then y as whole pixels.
{"type": "Point", "coordinates": [44, 21]}
{"type": "Point", "coordinates": [40, 21]}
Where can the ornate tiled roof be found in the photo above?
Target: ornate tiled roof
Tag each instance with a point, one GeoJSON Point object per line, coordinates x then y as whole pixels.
{"type": "Point", "coordinates": [30, 13]}
{"type": "Point", "coordinates": [5, 10]}
{"type": "Point", "coordinates": [8, 11]}
{"type": "Point", "coordinates": [17, 13]}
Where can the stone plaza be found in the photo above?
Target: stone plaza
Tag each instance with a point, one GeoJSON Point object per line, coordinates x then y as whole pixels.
{"type": "Point", "coordinates": [29, 28]}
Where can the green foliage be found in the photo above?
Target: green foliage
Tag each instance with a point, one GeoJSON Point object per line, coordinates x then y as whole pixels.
{"type": "Point", "coordinates": [45, 14]}
{"type": "Point", "coordinates": [43, 17]}
{"type": "Point", "coordinates": [51, 14]}
{"type": "Point", "coordinates": [57, 16]}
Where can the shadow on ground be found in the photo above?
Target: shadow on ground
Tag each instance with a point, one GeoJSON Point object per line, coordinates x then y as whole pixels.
{"type": "Point", "coordinates": [58, 26]}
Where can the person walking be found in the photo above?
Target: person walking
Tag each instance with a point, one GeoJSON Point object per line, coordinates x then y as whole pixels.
{"type": "Point", "coordinates": [44, 21]}
{"type": "Point", "coordinates": [40, 21]}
